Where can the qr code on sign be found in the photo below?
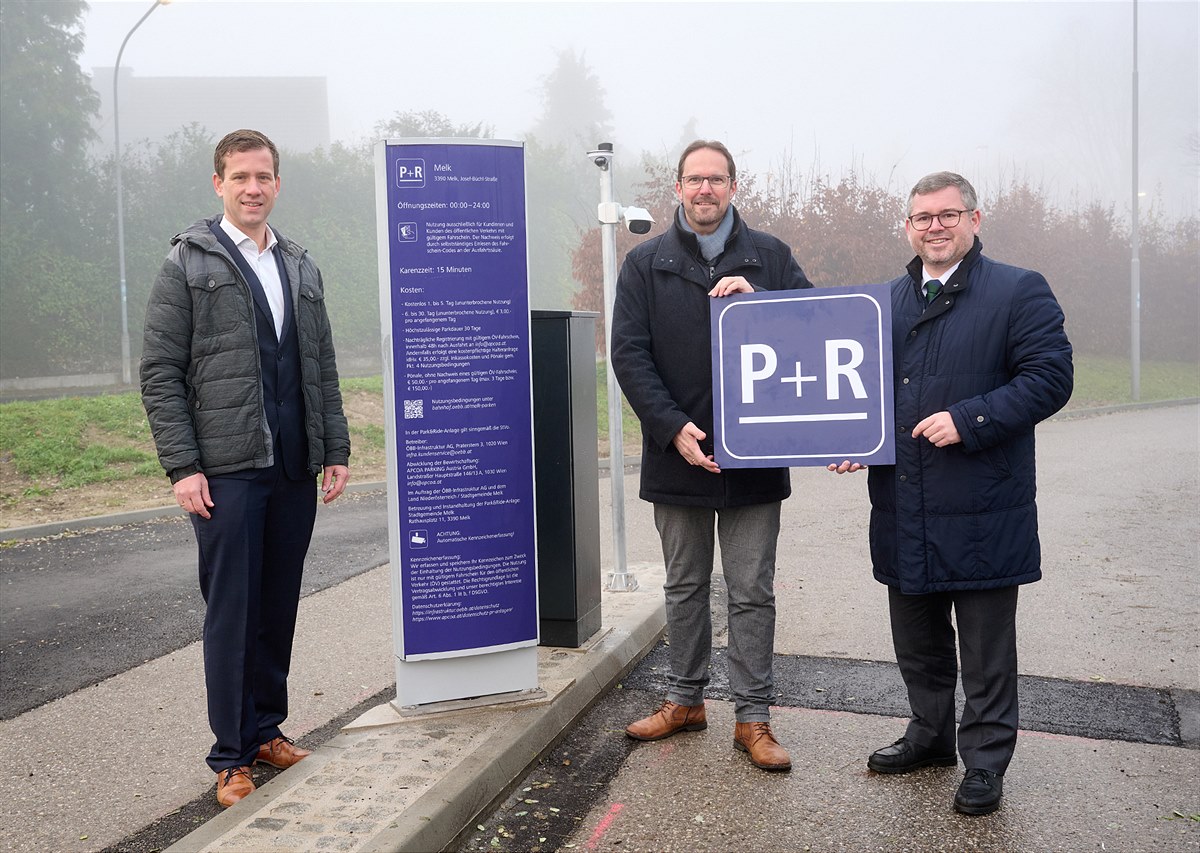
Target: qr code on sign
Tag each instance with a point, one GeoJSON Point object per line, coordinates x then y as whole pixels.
{"type": "Point", "coordinates": [414, 409]}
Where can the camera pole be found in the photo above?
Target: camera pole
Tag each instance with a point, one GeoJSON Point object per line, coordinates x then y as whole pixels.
{"type": "Point", "coordinates": [619, 579]}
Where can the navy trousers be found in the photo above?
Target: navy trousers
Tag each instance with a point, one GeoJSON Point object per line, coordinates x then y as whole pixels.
{"type": "Point", "coordinates": [251, 560]}
{"type": "Point", "coordinates": [923, 636]}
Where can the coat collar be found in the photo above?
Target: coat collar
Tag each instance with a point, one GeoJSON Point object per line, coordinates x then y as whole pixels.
{"type": "Point", "coordinates": [198, 233]}
{"type": "Point", "coordinates": [679, 252]}
{"type": "Point", "coordinates": [958, 281]}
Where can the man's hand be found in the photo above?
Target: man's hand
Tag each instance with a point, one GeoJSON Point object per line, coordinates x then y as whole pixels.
{"type": "Point", "coordinates": [939, 429]}
{"type": "Point", "coordinates": [847, 467]}
{"type": "Point", "coordinates": [333, 482]}
{"type": "Point", "coordinates": [191, 493]}
{"type": "Point", "coordinates": [687, 442]}
{"type": "Point", "coordinates": [730, 285]}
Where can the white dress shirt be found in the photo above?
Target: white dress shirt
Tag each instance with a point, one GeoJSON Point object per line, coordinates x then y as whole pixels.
{"type": "Point", "coordinates": [263, 264]}
{"type": "Point", "coordinates": [926, 278]}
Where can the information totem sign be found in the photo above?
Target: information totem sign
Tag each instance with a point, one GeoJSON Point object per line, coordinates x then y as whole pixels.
{"type": "Point", "coordinates": [454, 311]}
{"type": "Point", "coordinates": [803, 377]}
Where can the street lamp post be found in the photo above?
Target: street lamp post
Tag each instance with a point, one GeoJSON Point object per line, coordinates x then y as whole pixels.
{"type": "Point", "coordinates": [126, 372]}
{"type": "Point", "coordinates": [1135, 263]}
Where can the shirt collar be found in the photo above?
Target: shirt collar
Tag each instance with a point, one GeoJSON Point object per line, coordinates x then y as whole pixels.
{"type": "Point", "coordinates": [943, 278]}
{"type": "Point", "coordinates": [240, 239]}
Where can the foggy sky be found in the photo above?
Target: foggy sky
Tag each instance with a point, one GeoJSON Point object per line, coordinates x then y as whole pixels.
{"type": "Point", "coordinates": [894, 89]}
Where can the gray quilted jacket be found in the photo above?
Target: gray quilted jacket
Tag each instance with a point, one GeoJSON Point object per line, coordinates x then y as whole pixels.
{"type": "Point", "coordinates": [200, 374]}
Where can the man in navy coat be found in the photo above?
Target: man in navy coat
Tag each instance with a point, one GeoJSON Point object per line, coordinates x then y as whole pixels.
{"type": "Point", "coordinates": [980, 358]}
{"type": "Point", "coordinates": [662, 356]}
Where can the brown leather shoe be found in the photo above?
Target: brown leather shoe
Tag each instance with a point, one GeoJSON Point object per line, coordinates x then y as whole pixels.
{"type": "Point", "coordinates": [669, 719]}
{"type": "Point", "coordinates": [233, 784]}
{"type": "Point", "coordinates": [758, 740]}
{"type": "Point", "coordinates": [280, 752]}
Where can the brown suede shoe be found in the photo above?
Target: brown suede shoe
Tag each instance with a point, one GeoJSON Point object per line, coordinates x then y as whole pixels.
{"type": "Point", "coordinates": [670, 718]}
{"type": "Point", "coordinates": [758, 740]}
{"type": "Point", "coordinates": [280, 752]}
{"type": "Point", "coordinates": [233, 784]}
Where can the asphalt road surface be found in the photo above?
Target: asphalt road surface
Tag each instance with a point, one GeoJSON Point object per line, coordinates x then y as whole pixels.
{"type": "Point", "coordinates": [554, 806]}
{"type": "Point", "coordinates": [77, 609]}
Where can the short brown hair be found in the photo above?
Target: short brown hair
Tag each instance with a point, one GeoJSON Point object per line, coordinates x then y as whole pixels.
{"type": "Point", "coordinates": [940, 181]}
{"type": "Point", "coordinates": [710, 144]}
{"type": "Point", "coordinates": [243, 140]}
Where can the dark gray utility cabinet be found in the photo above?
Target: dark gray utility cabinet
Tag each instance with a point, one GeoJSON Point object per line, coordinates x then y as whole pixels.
{"type": "Point", "coordinates": [567, 475]}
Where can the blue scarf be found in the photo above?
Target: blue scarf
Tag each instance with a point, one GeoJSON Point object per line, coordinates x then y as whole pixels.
{"type": "Point", "coordinates": [711, 245]}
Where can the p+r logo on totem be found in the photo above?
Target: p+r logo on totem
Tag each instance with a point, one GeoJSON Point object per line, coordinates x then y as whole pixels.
{"type": "Point", "coordinates": [803, 377]}
{"type": "Point", "coordinates": [410, 173]}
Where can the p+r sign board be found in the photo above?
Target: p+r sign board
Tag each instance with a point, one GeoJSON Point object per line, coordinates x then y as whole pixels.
{"type": "Point", "coordinates": [803, 377]}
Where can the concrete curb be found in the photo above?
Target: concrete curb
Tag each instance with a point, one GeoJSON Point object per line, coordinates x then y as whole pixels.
{"type": "Point", "coordinates": [117, 519]}
{"type": "Point", "coordinates": [453, 804]}
{"type": "Point", "coordinates": [1075, 414]}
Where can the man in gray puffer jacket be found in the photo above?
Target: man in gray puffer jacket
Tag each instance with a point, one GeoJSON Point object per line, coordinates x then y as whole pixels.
{"type": "Point", "coordinates": [240, 386]}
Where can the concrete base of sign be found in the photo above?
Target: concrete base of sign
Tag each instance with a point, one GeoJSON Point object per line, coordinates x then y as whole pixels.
{"type": "Point", "coordinates": [390, 714]}
{"type": "Point", "coordinates": [421, 682]}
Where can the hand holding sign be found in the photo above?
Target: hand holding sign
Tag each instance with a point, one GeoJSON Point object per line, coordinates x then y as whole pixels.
{"type": "Point", "coordinates": [687, 442]}
{"type": "Point", "coordinates": [730, 285]}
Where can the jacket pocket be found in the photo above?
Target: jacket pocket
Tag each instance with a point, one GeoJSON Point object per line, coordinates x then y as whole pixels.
{"type": "Point", "coordinates": [218, 303]}
{"type": "Point", "coordinates": [312, 309]}
{"type": "Point", "coordinates": [999, 462]}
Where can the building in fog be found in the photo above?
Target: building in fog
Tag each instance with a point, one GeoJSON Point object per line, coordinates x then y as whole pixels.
{"type": "Point", "coordinates": [295, 115]}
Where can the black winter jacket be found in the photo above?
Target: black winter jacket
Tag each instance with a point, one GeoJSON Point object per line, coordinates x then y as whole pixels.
{"type": "Point", "coordinates": [662, 356]}
{"type": "Point", "coordinates": [200, 374]}
{"type": "Point", "coordinates": [991, 350]}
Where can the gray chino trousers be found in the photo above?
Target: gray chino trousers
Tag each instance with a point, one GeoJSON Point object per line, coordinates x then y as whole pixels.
{"type": "Point", "coordinates": [748, 536]}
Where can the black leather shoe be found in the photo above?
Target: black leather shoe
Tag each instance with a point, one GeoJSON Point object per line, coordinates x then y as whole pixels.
{"type": "Point", "coordinates": [979, 792]}
{"type": "Point", "coordinates": [904, 756]}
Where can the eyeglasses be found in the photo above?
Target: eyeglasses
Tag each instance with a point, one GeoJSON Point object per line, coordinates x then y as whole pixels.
{"type": "Point", "coordinates": [694, 182]}
{"type": "Point", "coordinates": [947, 218]}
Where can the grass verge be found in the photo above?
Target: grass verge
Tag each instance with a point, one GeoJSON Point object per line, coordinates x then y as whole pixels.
{"type": "Point", "coordinates": [53, 446]}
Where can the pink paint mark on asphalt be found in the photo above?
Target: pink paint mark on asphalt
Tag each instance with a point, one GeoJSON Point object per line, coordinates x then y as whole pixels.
{"type": "Point", "coordinates": [603, 825]}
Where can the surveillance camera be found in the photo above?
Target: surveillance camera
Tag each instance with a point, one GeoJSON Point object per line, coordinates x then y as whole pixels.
{"type": "Point", "coordinates": [601, 157]}
{"type": "Point", "coordinates": [637, 219]}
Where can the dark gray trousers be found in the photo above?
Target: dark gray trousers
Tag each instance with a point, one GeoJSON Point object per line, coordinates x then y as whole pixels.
{"type": "Point", "coordinates": [924, 639]}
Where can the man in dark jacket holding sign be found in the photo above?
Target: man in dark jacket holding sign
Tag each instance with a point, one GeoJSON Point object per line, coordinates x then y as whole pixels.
{"type": "Point", "coordinates": [980, 358]}
{"type": "Point", "coordinates": [241, 390]}
{"type": "Point", "coordinates": [662, 356]}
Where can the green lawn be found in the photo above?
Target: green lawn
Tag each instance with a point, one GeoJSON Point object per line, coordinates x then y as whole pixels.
{"type": "Point", "coordinates": [76, 441]}
{"type": "Point", "coordinates": [1106, 381]}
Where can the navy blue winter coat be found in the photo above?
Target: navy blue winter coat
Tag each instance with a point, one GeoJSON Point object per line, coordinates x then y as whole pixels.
{"type": "Point", "coordinates": [992, 351]}
{"type": "Point", "coordinates": [662, 356]}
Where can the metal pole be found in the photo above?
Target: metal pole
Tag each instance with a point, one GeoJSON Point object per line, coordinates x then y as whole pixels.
{"type": "Point", "coordinates": [619, 579]}
{"type": "Point", "coordinates": [1135, 264]}
{"type": "Point", "coordinates": [126, 371]}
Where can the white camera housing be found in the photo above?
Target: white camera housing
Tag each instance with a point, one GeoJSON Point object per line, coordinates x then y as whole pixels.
{"type": "Point", "coordinates": [637, 219]}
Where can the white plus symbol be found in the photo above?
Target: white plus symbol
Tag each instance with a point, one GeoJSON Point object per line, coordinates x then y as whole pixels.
{"type": "Point", "coordinates": [799, 379]}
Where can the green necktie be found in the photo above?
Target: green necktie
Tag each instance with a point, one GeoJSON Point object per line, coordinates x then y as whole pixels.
{"type": "Point", "coordinates": [932, 288]}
